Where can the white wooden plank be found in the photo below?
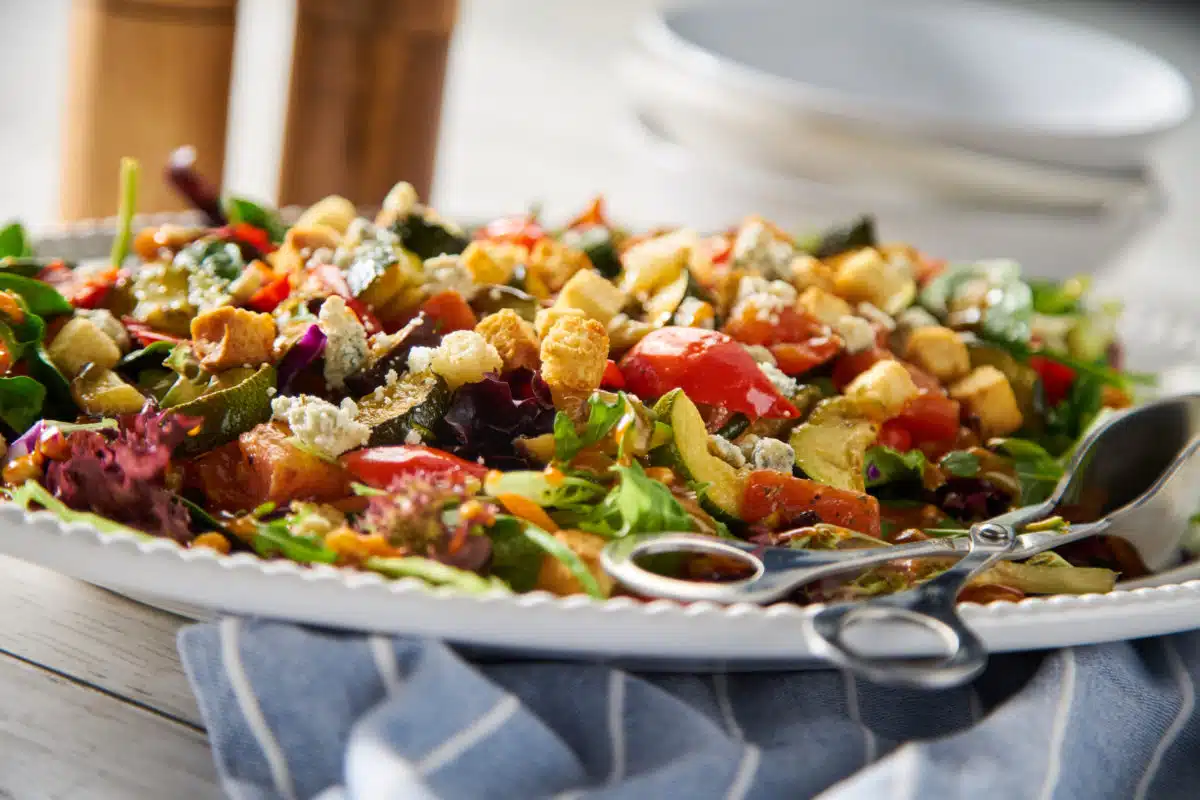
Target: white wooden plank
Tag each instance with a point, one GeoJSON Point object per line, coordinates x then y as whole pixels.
{"type": "Point", "coordinates": [59, 739]}
{"type": "Point", "coordinates": [94, 636]}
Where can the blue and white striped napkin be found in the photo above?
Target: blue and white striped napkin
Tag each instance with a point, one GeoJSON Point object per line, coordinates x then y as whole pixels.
{"type": "Point", "coordinates": [300, 713]}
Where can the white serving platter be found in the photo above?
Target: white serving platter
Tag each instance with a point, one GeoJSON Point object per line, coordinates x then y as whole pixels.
{"type": "Point", "coordinates": [660, 634]}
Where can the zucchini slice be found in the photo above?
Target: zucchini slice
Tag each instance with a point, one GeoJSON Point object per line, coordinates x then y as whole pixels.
{"type": "Point", "coordinates": [228, 409]}
{"type": "Point", "coordinates": [687, 453]}
{"type": "Point", "coordinates": [415, 403]}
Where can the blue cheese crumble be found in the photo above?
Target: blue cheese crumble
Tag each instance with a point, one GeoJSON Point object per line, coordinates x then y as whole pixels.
{"type": "Point", "coordinates": [346, 341]}
{"type": "Point", "coordinates": [321, 427]}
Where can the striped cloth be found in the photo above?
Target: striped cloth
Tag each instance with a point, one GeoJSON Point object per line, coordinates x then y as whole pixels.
{"type": "Point", "coordinates": [300, 713]}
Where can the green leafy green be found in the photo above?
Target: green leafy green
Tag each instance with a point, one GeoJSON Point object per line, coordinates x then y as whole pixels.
{"type": "Point", "coordinates": [885, 465]}
{"type": "Point", "coordinates": [636, 505]}
{"type": "Point", "coordinates": [518, 549]}
{"type": "Point", "coordinates": [13, 241]}
{"type": "Point", "coordinates": [126, 208]}
{"type": "Point", "coordinates": [31, 492]}
{"type": "Point", "coordinates": [26, 266]}
{"type": "Point", "coordinates": [1037, 470]}
{"type": "Point", "coordinates": [994, 289]}
{"type": "Point", "coordinates": [602, 418]}
{"type": "Point", "coordinates": [21, 400]}
{"type": "Point", "coordinates": [854, 235]}
{"type": "Point", "coordinates": [960, 464]}
{"type": "Point", "coordinates": [428, 238]}
{"type": "Point", "coordinates": [566, 491]}
{"type": "Point", "coordinates": [433, 573]}
{"type": "Point", "coordinates": [41, 298]}
{"type": "Point", "coordinates": [240, 210]}
{"type": "Point", "coordinates": [275, 539]}
{"type": "Point", "coordinates": [200, 518]}
{"type": "Point", "coordinates": [1074, 414]}
{"type": "Point", "coordinates": [58, 390]}
{"type": "Point", "coordinates": [1055, 297]}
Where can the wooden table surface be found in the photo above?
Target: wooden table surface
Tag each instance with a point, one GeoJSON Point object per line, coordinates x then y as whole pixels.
{"type": "Point", "coordinates": [93, 700]}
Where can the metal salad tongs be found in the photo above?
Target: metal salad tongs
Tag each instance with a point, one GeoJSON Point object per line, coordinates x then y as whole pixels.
{"type": "Point", "coordinates": [1140, 469]}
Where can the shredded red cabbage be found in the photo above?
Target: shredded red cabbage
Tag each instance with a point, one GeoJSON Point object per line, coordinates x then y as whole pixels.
{"type": "Point", "coordinates": [307, 349]}
{"type": "Point", "coordinates": [124, 477]}
{"type": "Point", "coordinates": [486, 417]}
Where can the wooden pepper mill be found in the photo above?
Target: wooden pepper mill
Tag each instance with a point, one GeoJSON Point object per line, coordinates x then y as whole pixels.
{"type": "Point", "coordinates": [145, 77]}
{"type": "Point", "coordinates": [365, 98]}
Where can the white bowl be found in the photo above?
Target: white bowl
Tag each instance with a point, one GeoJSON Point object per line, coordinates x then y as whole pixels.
{"type": "Point", "coordinates": [679, 186]}
{"type": "Point", "coordinates": [999, 80]}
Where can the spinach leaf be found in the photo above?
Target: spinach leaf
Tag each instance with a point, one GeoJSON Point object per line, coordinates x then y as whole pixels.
{"type": "Point", "coordinates": [13, 241]}
{"type": "Point", "coordinates": [21, 401]}
{"type": "Point", "coordinates": [274, 539]}
{"type": "Point", "coordinates": [59, 402]}
{"type": "Point", "coordinates": [433, 572]}
{"type": "Point", "coordinates": [602, 418]}
{"type": "Point", "coordinates": [152, 355]}
{"type": "Point", "coordinates": [1037, 470]}
{"type": "Point", "coordinates": [428, 238]}
{"type": "Point", "coordinates": [41, 298]}
{"type": "Point", "coordinates": [885, 465]}
{"type": "Point", "coordinates": [960, 464]}
{"type": "Point", "coordinates": [25, 266]}
{"type": "Point", "coordinates": [854, 235]}
{"type": "Point", "coordinates": [240, 210]}
{"type": "Point", "coordinates": [636, 505]}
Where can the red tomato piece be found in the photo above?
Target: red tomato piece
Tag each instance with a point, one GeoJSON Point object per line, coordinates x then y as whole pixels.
{"type": "Point", "coordinates": [894, 435]}
{"type": "Point", "coordinates": [380, 467]}
{"type": "Point", "coordinates": [1056, 378]}
{"type": "Point", "coordinates": [930, 416]}
{"type": "Point", "coordinates": [247, 234]}
{"type": "Point", "coordinates": [794, 358]}
{"type": "Point", "coordinates": [777, 499]}
{"type": "Point", "coordinates": [613, 379]}
{"type": "Point", "coordinates": [924, 381]}
{"type": "Point", "coordinates": [709, 366]}
{"type": "Point", "coordinates": [784, 326]}
{"type": "Point", "coordinates": [449, 311]}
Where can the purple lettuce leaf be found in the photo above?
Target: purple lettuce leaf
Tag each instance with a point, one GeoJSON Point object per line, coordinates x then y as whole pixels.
{"type": "Point", "coordinates": [486, 417]}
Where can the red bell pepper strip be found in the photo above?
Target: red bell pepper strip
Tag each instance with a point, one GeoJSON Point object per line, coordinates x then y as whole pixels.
{"type": "Point", "coordinates": [147, 335]}
{"type": "Point", "coordinates": [247, 234]}
{"type": "Point", "coordinates": [449, 311]}
{"type": "Point", "coordinates": [709, 366]}
{"type": "Point", "coordinates": [613, 380]}
{"type": "Point", "coordinates": [270, 295]}
{"type": "Point", "coordinates": [777, 500]}
{"type": "Point", "coordinates": [1056, 378]}
{"type": "Point", "coordinates": [894, 435]}
{"type": "Point", "coordinates": [522, 230]}
{"type": "Point", "coordinates": [382, 467]}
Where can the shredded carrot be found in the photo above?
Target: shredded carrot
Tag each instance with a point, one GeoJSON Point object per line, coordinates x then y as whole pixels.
{"type": "Point", "coordinates": [526, 509]}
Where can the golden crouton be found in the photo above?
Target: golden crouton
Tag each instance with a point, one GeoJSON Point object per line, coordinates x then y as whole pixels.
{"type": "Point", "coordinates": [826, 307]}
{"type": "Point", "coordinates": [485, 268]}
{"type": "Point", "coordinates": [865, 277]}
{"type": "Point", "coordinates": [988, 395]}
{"type": "Point", "coordinates": [887, 383]}
{"type": "Point", "coordinates": [808, 271]}
{"type": "Point", "coordinates": [939, 351]}
{"type": "Point", "coordinates": [574, 354]}
{"type": "Point", "coordinates": [551, 264]}
{"type": "Point", "coordinates": [596, 297]}
{"type": "Point", "coordinates": [232, 337]}
{"type": "Point", "coordinates": [546, 317]}
{"type": "Point", "coordinates": [554, 576]}
{"type": "Point", "coordinates": [299, 244]}
{"type": "Point", "coordinates": [512, 337]}
{"type": "Point", "coordinates": [333, 211]}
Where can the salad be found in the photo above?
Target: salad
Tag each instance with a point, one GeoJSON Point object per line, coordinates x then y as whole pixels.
{"type": "Point", "coordinates": [486, 408]}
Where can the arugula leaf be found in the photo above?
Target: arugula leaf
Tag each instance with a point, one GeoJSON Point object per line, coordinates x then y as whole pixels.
{"type": "Point", "coordinates": [13, 241]}
{"type": "Point", "coordinates": [239, 209]}
{"type": "Point", "coordinates": [602, 418]}
{"type": "Point", "coordinates": [32, 492]}
{"type": "Point", "coordinates": [1074, 414]}
{"type": "Point", "coordinates": [126, 208]}
{"type": "Point", "coordinates": [1008, 313]}
{"type": "Point", "coordinates": [434, 573]}
{"type": "Point", "coordinates": [1037, 470]}
{"type": "Point", "coordinates": [885, 465]}
{"type": "Point", "coordinates": [41, 298]}
{"type": "Point", "coordinates": [636, 505]}
{"type": "Point", "coordinates": [960, 464]}
{"type": "Point", "coordinates": [274, 539]}
{"type": "Point", "coordinates": [21, 400]}
{"type": "Point", "coordinates": [567, 491]}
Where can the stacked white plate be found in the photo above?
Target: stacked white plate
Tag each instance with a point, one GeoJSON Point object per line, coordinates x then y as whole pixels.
{"type": "Point", "coordinates": [971, 130]}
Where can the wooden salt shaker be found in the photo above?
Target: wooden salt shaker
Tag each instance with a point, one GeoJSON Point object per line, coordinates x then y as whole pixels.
{"type": "Point", "coordinates": [365, 98]}
{"type": "Point", "coordinates": [145, 77]}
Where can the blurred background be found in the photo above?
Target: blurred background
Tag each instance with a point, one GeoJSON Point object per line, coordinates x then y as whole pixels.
{"type": "Point", "coordinates": [538, 109]}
